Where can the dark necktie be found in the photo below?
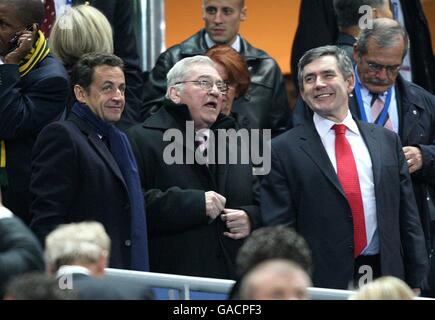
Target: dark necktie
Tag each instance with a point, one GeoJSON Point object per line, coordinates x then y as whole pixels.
{"type": "Point", "coordinates": [49, 17]}
{"type": "Point", "coordinates": [348, 176]}
{"type": "Point", "coordinates": [377, 106]}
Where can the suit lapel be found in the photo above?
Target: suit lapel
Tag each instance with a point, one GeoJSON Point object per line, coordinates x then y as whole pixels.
{"type": "Point", "coordinates": [98, 145]}
{"type": "Point", "coordinates": [313, 147]}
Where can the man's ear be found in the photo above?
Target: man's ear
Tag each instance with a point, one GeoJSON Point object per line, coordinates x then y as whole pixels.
{"type": "Point", "coordinates": [355, 53]}
{"type": "Point", "coordinates": [80, 93]}
{"type": "Point", "coordinates": [350, 84]}
{"type": "Point", "coordinates": [174, 95]}
{"type": "Point", "coordinates": [243, 13]}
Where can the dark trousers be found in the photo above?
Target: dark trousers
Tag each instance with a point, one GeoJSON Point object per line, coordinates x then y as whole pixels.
{"type": "Point", "coordinates": [366, 269]}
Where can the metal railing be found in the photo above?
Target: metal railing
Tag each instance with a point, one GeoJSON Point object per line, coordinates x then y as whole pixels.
{"type": "Point", "coordinates": [185, 284]}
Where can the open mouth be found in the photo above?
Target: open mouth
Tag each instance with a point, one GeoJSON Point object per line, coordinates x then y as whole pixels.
{"type": "Point", "coordinates": [211, 104]}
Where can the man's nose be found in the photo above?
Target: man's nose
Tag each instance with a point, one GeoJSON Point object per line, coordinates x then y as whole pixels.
{"type": "Point", "coordinates": [218, 17]}
{"type": "Point", "coordinates": [319, 82]}
{"type": "Point", "coordinates": [382, 74]}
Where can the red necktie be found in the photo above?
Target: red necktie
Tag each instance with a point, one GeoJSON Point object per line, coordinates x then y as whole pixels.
{"type": "Point", "coordinates": [348, 176]}
{"type": "Point", "coordinates": [49, 17]}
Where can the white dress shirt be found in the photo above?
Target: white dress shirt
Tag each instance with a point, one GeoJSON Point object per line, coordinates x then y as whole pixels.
{"type": "Point", "coordinates": [5, 213]}
{"type": "Point", "coordinates": [364, 167]}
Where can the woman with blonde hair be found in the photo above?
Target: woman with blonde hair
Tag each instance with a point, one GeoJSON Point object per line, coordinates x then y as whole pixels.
{"type": "Point", "coordinates": [384, 288]}
{"type": "Point", "coordinates": [79, 30]}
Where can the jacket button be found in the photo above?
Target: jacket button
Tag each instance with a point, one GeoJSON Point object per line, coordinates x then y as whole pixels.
{"type": "Point", "coordinates": [127, 243]}
{"type": "Point", "coordinates": [127, 206]}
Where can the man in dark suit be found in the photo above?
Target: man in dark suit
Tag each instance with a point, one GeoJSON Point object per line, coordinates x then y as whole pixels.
{"type": "Point", "coordinates": [77, 254]}
{"type": "Point", "coordinates": [200, 210]}
{"type": "Point", "coordinates": [348, 194]}
{"type": "Point", "coordinates": [411, 109]}
{"type": "Point", "coordinates": [20, 251]}
{"type": "Point", "coordinates": [265, 105]}
{"type": "Point", "coordinates": [83, 168]}
{"type": "Point", "coordinates": [34, 88]}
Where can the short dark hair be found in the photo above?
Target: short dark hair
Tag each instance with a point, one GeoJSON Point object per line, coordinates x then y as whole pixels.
{"type": "Point", "coordinates": [347, 10]}
{"type": "Point", "coordinates": [234, 64]}
{"type": "Point", "coordinates": [385, 33]}
{"type": "Point", "coordinates": [343, 61]}
{"type": "Point", "coordinates": [273, 243]}
{"type": "Point", "coordinates": [28, 11]}
{"type": "Point", "coordinates": [83, 71]}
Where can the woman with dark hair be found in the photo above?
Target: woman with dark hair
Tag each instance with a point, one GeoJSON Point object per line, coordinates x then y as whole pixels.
{"type": "Point", "coordinates": [233, 70]}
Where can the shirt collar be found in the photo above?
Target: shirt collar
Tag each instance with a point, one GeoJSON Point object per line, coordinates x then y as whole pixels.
{"type": "Point", "coordinates": [5, 213]}
{"type": "Point", "coordinates": [64, 270]}
{"type": "Point", "coordinates": [210, 43]}
{"type": "Point", "coordinates": [323, 125]}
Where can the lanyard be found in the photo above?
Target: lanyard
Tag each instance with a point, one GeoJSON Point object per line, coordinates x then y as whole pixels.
{"type": "Point", "coordinates": [384, 113]}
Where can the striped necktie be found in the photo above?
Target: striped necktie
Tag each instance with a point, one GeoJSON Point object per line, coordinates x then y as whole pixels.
{"type": "Point", "coordinates": [377, 106]}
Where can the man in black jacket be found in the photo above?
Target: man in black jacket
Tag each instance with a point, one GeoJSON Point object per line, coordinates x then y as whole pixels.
{"type": "Point", "coordinates": [378, 55]}
{"type": "Point", "coordinates": [265, 105]}
{"type": "Point", "coordinates": [198, 211]}
{"type": "Point", "coordinates": [34, 88]}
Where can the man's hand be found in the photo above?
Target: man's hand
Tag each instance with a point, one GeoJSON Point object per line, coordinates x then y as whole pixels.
{"type": "Point", "coordinates": [413, 158]}
{"type": "Point", "coordinates": [214, 204]}
{"type": "Point", "coordinates": [25, 43]}
{"type": "Point", "coordinates": [237, 222]}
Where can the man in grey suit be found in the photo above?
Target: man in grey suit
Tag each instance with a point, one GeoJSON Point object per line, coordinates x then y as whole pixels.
{"type": "Point", "coordinates": [356, 231]}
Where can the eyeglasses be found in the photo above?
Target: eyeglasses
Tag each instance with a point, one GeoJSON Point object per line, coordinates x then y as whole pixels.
{"type": "Point", "coordinates": [208, 85]}
{"type": "Point", "coordinates": [391, 69]}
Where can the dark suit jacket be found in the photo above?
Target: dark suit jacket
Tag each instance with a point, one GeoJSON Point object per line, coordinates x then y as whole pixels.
{"type": "Point", "coordinates": [303, 191]}
{"type": "Point", "coordinates": [27, 104]}
{"type": "Point", "coordinates": [20, 251]}
{"type": "Point", "coordinates": [75, 178]}
{"type": "Point", "coordinates": [416, 128]}
{"type": "Point", "coordinates": [182, 239]}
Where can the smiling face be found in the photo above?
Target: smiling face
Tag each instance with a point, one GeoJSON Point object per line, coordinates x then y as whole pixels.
{"type": "Point", "coordinates": [105, 95]}
{"type": "Point", "coordinates": [324, 88]}
{"type": "Point", "coordinates": [222, 19]}
{"type": "Point", "coordinates": [204, 105]}
{"type": "Point", "coordinates": [9, 25]}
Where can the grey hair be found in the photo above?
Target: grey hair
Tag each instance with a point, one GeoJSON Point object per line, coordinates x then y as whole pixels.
{"type": "Point", "coordinates": [347, 13]}
{"type": "Point", "coordinates": [343, 61]}
{"type": "Point", "coordinates": [182, 68]}
{"type": "Point", "coordinates": [83, 242]}
{"type": "Point", "coordinates": [385, 33]}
